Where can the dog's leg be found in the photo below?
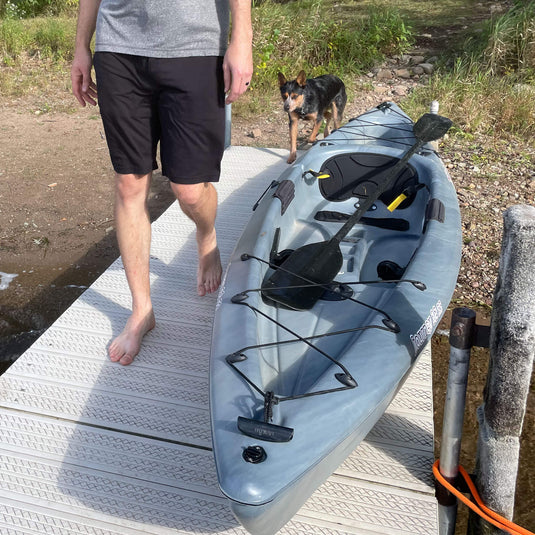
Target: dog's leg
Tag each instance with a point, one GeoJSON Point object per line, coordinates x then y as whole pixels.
{"type": "Point", "coordinates": [318, 119]}
{"type": "Point", "coordinates": [293, 137]}
{"type": "Point", "coordinates": [338, 105]}
{"type": "Point", "coordinates": [327, 130]}
{"type": "Point", "coordinates": [337, 119]}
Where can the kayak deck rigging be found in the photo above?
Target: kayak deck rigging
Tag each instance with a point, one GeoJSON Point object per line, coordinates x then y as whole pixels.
{"type": "Point", "coordinates": [332, 291]}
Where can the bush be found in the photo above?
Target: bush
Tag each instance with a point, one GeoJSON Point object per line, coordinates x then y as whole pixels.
{"type": "Point", "coordinates": [507, 43]}
{"type": "Point", "coordinates": [22, 9]}
{"type": "Point", "coordinates": [43, 37]}
{"type": "Point", "coordinates": [478, 101]}
{"type": "Point", "coordinates": [318, 37]}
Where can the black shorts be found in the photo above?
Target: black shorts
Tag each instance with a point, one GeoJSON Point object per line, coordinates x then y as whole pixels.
{"type": "Point", "coordinates": [178, 102]}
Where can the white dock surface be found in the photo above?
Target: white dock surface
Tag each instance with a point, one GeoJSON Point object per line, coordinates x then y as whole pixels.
{"type": "Point", "coordinates": [91, 447]}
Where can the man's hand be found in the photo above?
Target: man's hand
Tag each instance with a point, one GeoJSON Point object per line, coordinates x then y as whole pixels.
{"type": "Point", "coordinates": [237, 70]}
{"type": "Point", "coordinates": [83, 87]}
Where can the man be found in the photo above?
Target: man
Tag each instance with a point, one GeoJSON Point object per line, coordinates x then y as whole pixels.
{"type": "Point", "coordinates": [163, 68]}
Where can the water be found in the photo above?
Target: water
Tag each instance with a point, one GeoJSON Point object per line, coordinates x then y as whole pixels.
{"type": "Point", "coordinates": [5, 279]}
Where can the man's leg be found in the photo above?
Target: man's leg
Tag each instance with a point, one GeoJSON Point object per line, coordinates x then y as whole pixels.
{"type": "Point", "coordinates": [134, 235]}
{"type": "Point", "coordinates": [199, 203]}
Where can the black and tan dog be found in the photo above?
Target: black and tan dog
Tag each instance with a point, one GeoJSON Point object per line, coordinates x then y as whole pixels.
{"type": "Point", "coordinates": [310, 99]}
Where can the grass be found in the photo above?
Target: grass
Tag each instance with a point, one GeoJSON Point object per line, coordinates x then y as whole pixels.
{"type": "Point", "coordinates": [43, 37]}
{"type": "Point", "coordinates": [478, 101]}
{"type": "Point", "coordinates": [486, 85]}
{"type": "Point", "coordinates": [489, 85]}
{"type": "Point", "coordinates": [323, 41]}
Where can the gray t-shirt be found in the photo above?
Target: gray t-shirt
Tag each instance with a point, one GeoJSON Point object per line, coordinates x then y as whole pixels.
{"type": "Point", "coordinates": [163, 28]}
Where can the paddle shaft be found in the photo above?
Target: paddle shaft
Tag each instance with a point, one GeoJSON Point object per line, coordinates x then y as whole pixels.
{"type": "Point", "coordinates": [366, 204]}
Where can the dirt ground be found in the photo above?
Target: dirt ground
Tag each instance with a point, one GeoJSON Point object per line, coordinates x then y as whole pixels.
{"type": "Point", "coordinates": [57, 231]}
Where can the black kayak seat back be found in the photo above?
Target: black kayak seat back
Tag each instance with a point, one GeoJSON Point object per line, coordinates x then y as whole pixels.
{"type": "Point", "coordinates": [358, 174]}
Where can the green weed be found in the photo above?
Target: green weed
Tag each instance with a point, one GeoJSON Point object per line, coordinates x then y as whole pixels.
{"type": "Point", "coordinates": [21, 9]}
{"type": "Point", "coordinates": [507, 43]}
{"type": "Point", "coordinates": [477, 101]}
{"type": "Point", "coordinates": [312, 35]}
{"type": "Point", "coordinates": [44, 37]}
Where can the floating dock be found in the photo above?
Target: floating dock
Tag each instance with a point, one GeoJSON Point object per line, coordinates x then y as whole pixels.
{"type": "Point", "coordinates": [91, 447]}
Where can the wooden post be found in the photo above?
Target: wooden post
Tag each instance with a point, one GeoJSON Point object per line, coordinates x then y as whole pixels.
{"type": "Point", "coordinates": [512, 349]}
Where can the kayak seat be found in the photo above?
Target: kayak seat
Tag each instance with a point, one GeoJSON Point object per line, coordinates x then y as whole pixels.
{"type": "Point", "coordinates": [359, 174]}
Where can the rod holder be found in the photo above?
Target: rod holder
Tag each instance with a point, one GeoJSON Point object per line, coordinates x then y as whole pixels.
{"type": "Point", "coordinates": [462, 330]}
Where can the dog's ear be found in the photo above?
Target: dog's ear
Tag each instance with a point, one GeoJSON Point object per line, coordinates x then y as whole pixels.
{"type": "Point", "coordinates": [282, 79]}
{"type": "Point", "coordinates": [302, 79]}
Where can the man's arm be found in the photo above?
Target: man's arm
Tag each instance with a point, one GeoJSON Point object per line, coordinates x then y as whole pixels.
{"type": "Point", "coordinates": [83, 87]}
{"type": "Point", "coordinates": [238, 62]}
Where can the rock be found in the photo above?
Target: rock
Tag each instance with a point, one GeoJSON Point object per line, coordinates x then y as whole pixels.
{"type": "Point", "coordinates": [403, 73]}
{"type": "Point", "coordinates": [384, 74]}
{"type": "Point", "coordinates": [416, 60]}
{"type": "Point", "coordinates": [428, 68]}
{"type": "Point", "coordinates": [256, 133]}
{"type": "Point", "coordinates": [417, 70]}
{"type": "Point", "coordinates": [400, 90]}
{"type": "Point", "coordinates": [381, 89]}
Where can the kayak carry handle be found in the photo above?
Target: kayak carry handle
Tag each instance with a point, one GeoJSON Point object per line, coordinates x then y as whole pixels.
{"type": "Point", "coordinates": [264, 430]}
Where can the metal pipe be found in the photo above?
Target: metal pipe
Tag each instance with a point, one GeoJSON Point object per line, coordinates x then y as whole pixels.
{"type": "Point", "coordinates": [461, 341]}
{"type": "Point", "coordinates": [228, 125]}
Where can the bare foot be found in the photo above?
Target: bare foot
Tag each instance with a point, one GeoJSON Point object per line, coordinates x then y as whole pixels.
{"type": "Point", "coordinates": [126, 346]}
{"type": "Point", "coordinates": [210, 270]}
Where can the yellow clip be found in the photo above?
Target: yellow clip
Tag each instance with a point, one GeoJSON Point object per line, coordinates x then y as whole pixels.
{"type": "Point", "coordinates": [396, 202]}
{"type": "Point", "coordinates": [317, 175]}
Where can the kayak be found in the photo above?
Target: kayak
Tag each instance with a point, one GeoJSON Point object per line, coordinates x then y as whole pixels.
{"type": "Point", "coordinates": [301, 370]}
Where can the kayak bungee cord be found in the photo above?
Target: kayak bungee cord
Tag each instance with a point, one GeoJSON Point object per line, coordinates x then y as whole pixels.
{"type": "Point", "coordinates": [270, 398]}
{"type": "Point", "coordinates": [388, 321]}
{"type": "Point", "coordinates": [349, 129]}
{"type": "Point", "coordinates": [346, 379]}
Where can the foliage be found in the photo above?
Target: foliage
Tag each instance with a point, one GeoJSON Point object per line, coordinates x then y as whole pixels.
{"type": "Point", "coordinates": [21, 9]}
{"type": "Point", "coordinates": [478, 101]}
{"type": "Point", "coordinates": [311, 35]}
{"type": "Point", "coordinates": [507, 43]}
{"type": "Point", "coordinates": [489, 86]}
{"type": "Point", "coordinates": [49, 37]}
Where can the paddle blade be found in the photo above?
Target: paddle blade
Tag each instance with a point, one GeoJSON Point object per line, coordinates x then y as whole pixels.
{"type": "Point", "coordinates": [430, 127]}
{"type": "Point", "coordinates": [313, 263]}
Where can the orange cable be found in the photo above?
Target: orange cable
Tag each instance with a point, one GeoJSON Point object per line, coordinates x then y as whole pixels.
{"type": "Point", "coordinates": [481, 509]}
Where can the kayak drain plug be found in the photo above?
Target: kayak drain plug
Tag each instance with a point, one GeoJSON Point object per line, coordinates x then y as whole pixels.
{"type": "Point", "coordinates": [254, 454]}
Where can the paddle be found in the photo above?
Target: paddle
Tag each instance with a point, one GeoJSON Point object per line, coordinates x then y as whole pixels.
{"type": "Point", "coordinates": [319, 263]}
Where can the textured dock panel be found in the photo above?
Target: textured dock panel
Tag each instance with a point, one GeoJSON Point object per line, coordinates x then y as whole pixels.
{"type": "Point", "coordinates": [91, 447]}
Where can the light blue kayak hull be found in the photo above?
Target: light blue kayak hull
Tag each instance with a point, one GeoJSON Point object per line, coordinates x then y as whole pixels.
{"type": "Point", "coordinates": [308, 436]}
